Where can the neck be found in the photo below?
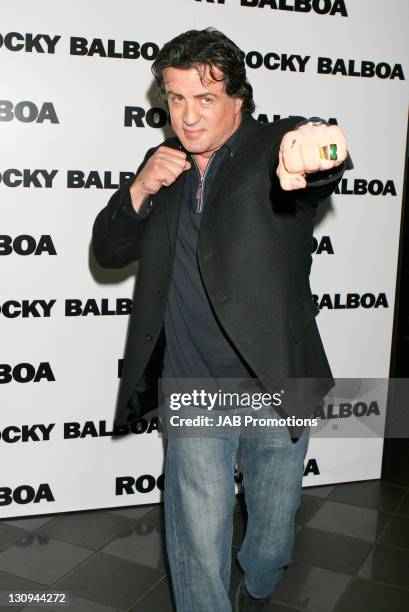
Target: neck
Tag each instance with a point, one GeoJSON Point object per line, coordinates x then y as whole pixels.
{"type": "Point", "coordinates": [202, 159]}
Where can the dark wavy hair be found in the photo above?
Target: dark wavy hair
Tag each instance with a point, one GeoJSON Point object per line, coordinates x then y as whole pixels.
{"type": "Point", "coordinates": [208, 48]}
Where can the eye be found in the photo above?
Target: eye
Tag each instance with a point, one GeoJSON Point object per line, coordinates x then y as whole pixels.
{"type": "Point", "coordinates": [175, 99]}
{"type": "Point", "coordinates": [207, 101]}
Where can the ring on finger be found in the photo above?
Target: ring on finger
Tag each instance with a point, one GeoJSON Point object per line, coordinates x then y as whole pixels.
{"type": "Point", "coordinates": [329, 152]}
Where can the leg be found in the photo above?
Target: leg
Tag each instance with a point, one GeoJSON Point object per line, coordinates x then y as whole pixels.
{"type": "Point", "coordinates": [199, 501]}
{"type": "Point", "coordinates": [272, 467]}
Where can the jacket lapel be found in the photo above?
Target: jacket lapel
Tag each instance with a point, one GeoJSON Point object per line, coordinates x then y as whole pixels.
{"type": "Point", "coordinates": [247, 129]}
{"type": "Point", "coordinates": [173, 195]}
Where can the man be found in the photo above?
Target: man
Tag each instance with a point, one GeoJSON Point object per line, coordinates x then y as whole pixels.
{"type": "Point", "coordinates": [221, 220]}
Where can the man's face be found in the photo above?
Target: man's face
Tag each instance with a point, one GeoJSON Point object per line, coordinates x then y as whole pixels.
{"type": "Point", "coordinates": [203, 115]}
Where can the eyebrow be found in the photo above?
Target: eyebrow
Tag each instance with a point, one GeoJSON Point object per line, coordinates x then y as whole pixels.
{"type": "Point", "coordinates": [202, 95]}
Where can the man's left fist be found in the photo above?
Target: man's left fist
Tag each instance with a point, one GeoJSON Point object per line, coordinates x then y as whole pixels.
{"type": "Point", "coordinates": [300, 155]}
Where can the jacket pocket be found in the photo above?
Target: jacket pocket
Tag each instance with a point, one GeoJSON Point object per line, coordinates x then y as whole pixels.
{"type": "Point", "coordinates": [300, 313]}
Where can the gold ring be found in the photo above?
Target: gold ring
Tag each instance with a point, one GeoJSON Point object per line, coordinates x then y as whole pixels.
{"type": "Point", "coordinates": [329, 152]}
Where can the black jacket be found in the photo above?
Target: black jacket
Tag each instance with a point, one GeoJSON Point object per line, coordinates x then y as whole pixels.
{"type": "Point", "coordinates": [254, 254]}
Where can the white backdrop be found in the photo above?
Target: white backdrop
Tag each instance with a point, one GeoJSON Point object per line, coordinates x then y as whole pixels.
{"type": "Point", "coordinates": [63, 113]}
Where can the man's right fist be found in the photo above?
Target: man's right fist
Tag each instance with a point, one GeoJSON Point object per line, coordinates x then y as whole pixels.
{"type": "Point", "coordinates": [161, 170]}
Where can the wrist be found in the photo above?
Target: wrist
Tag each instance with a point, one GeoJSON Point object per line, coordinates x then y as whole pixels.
{"type": "Point", "coordinates": [138, 195]}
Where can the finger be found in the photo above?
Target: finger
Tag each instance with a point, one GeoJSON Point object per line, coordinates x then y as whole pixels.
{"type": "Point", "coordinates": [291, 153]}
{"type": "Point", "coordinates": [289, 181]}
{"type": "Point", "coordinates": [311, 153]}
{"type": "Point", "coordinates": [337, 136]}
{"type": "Point", "coordinates": [173, 165]}
{"type": "Point", "coordinates": [171, 151]}
{"type": "Point", "coordinates": [166, 158]}
{"type": "Point", "coordinates": [168, 178]}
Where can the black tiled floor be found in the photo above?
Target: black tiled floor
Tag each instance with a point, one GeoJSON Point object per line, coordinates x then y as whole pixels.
{"type": "Point", "coordinates": [13, 583]}
{"type": "Point", "coordinates": [91, 529]}
{"type": "Point", "coordinates": [373, 494]}
{"type": "Point", "coordinates": [41, 560]}
{"type": "Point", "coordinates": [403, 507]}
{"type": "Point", "coordinates": [354, 521]}
{"type": "Point", "coordinates": [310, 588]}
{"type": "Point", "coordinates": [76, 604]}
{"type": "Point", "coordinates": [388, 565]}
{"type": "Point", "coordinates": [351, 552]}
{"type": "Point", "coordinates": [331, 551]}
{"type": "Point", "coordinates": [396, 533]}
{"type": "Point", "coordinates": [323, 491]}
{"type": "Point", "coordinates": [160, 598]}
{"type": "Point", "coordinates": [143, 542]}
{"type": "Point", "coordinates": [9, 535]}
{"type": "Point", "coordinates": [372, 597]}
{"type": "Point", "coordinates": [109, 580]}
{"type": "Point", "coordinates": [308, 507]}
{"type": "Point", "coordinates": [29, 524]}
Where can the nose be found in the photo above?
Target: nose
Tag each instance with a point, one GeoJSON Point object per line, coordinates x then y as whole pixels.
{"type": "Point", "coordinates": [190, 113]}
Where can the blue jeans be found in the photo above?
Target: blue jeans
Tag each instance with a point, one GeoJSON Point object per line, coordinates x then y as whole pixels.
{"type": "Point", "coordinates": [199, 502]}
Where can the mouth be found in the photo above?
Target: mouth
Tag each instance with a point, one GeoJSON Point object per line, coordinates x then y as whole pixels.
{"type": "Point", "coordinates": [193, 133]}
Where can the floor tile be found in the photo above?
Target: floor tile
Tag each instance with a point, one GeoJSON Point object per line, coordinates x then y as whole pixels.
{"type": "Point", "coordinates": [9, 535]}
{"type": "Point", "coordinates": [387, 564]}
{"type": "Point", "coordinates": [323, 491]}
{"type": "Point", "coordinates": [76, 605]}
{"type": "Point", "coordinates": [134, 512]}
{"type": "Point", "coordinates": [13, 583]}
{"type": "Point", "coordinates": [159, 599]}
{"type": "Point", "coordinates": [331, 551]}
{"type": "Point", "coordinates": [41, 560]}
{"type": "Point", "coordinates": [403, 507]}
{"type": "Point", "coordinates": [310, 588]}
{"type": "Point", "coordinates": [396, 533]}
{"type": "Point", "coordinates": [354, 521]}
{"type": "Point", "coordinates": [143, 542]}
{"type": "Point", "coordinates": [369, 596]}
{"type": "Point", "coordinates": [89, 529]}
{"type": "Point", "coordinates": [109, 580]}
{"type": "Point", "coordinates": [373, 494]}
{"type": "Point", "coordinates": [29, 524]}
{"type": "Point", "coordinates": [308, 507]}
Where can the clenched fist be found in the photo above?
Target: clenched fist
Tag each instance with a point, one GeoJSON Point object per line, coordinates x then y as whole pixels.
{"type": "Point", "coordinates": [161, 170]}
{"type": "Point", "coordinates": [299, 153]}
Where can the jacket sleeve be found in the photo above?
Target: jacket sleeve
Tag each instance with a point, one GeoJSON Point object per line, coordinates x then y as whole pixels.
{"type": "Point", "coordinates": [116, 234]}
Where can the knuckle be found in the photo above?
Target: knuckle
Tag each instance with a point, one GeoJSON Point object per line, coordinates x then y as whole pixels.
{"type": "Point", "coordinates": [313, 166]}
{"type": "Point", "coordinates": [287, 138]}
